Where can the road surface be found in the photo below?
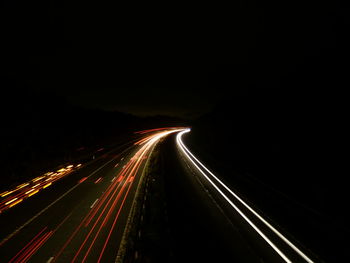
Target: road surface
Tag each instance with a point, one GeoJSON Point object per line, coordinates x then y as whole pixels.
{"type": "Point", "coordinates": [211, 223]}
{"type": "Point", "coordinates": [81, 217]}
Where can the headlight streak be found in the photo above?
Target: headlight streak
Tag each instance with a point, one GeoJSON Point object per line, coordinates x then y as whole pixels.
{"type": "Point", "coordinates": [53, 203]}
{"type": "Point", "coordinates": [24, 191]}
{"type": "Point", "coordinates": [46, 185]}
{"type": "Point", "coordinates": [111, 203]}
{"type": "Point", "coordinates": [15, 203]}
{"type": "Point", "coordinates": [33, 193]}
{"type": "Point", "coordinates": [38, 178]}
{"type": "Point", "coordinates": [194, 161]}
{"type": "Point", "coordinates": [22, 185]}
{"type": "Point", "coordinates": [29, 191]}
{"type": "Point", "coordinates": [6, 193]}
{"type": "Point", "coordinates": [12, 200]}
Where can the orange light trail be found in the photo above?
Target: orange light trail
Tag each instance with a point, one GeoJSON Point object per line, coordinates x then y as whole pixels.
{"type": "Point", "coordinates": [37, 179]}
{"type": "Point", "coordinates": [35, 192]}
{"type": "Point", "coordinates": [47, 185]}
{"type": "Point", "coordinates": [29, 191]}
{"type": "Point", "coordinates": [14, 199]}
{"type": "Point", "coordinates": [22, 185]}
{"type": "Point", "coordinates": [15, 203]}
{"type": "Point", "coordinates": [26, 190]}
{"type": "Point", "coordinates": [105, 212]}
{"type": "Point", "coordinates": [6, 193]}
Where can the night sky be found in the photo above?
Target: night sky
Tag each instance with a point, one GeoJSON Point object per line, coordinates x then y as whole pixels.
{"type": "Point", "coordinates": [166, 59]}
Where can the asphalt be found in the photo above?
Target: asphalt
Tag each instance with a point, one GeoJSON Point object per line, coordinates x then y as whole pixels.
{"type": "Point", "coordinates": [200, 230]}
{"type": "Point", "coordinates": [203, 224]}
{"type": "Point", "coordinates": [55, 225]}
{"type": "Point", "coordinates": [82, 217]}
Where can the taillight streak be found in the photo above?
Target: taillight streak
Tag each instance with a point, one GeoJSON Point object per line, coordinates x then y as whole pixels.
{"type": "Point", "coordinates": [38, 244]}
{"type": "Point", "coordinates": [27, 245]}
{"type": "Point", "coordinates": [113, 225]}
{"type": "Point", "coordinates": [112, 201]}
{"type": "Point", "coordinates": [132, 173]}
{"type": "Point", "coordinates": [104, 197]}
{"type": "Point", "coordinates": [90, 215]}
{"type": "Point", "coordinates": [26, 252]}
{"type": "Point", "coordinates": [99, 217]}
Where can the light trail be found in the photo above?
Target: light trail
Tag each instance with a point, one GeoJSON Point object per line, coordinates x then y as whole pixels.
{"type": "Point", "coordinates": [104, 212]}
{"type": "Point", "coordinates": [33, 193]}
{"type": "Point", "coordinates": [201, 168]}
{"type": "Point", "coordinates": [32, 247]}
{"type": "Point", "coordinates": [23, 191]}
{"type": "Point", "coordinates": [47, 185]}
{"type": "Point", "coordinates": [15, 203]}
{"type": "Point", "coordinates": [98, 180]}
{"type": "Point", "coordinates": [100, 221]}
{"type": "Point", "coordinates": [159, 129]}
{"type": "Point", "coordinates": [14, 199]}
{"type": "Point", "coordinates": [94, 203]}
{"type": "Point", "coordinates": [49, 206]}
{"type": "Point", "coordinates": [129, 172]}
{"type": "Point", "coordinates": [6, 193]}
{"type": "Point", "coordinates": [82, 180]}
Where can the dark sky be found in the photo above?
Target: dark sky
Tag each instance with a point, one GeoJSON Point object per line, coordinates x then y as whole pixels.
{"type": "Point", "coordinates": [164, 58]}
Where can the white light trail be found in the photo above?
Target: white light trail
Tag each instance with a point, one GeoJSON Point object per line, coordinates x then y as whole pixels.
{"type": "Point", "coordinates": [93, 204]}
{"type": "Point", "coordinates": [191, 158]}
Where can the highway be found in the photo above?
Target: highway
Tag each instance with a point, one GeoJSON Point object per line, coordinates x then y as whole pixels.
{"type": "Point", "coordinates": [77, 214]}
{"type": "Point", "coordinates": [213, 223]}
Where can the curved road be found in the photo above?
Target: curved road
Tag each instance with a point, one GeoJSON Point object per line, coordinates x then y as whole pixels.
{"type": "Point", "coordinates": [211, 223]}
{"type": "Point", "coordinates": [82, 217]}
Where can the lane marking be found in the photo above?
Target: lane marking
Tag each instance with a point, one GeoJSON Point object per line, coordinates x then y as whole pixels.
{"type": "Point", "coordinates": [94, 203]}
{"type": "Point", "coordinates": [98, 180]}
{"type": "Point", "coordinates": [122, 244]}
{"type": "Point", "coordinates": [50, 205]}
